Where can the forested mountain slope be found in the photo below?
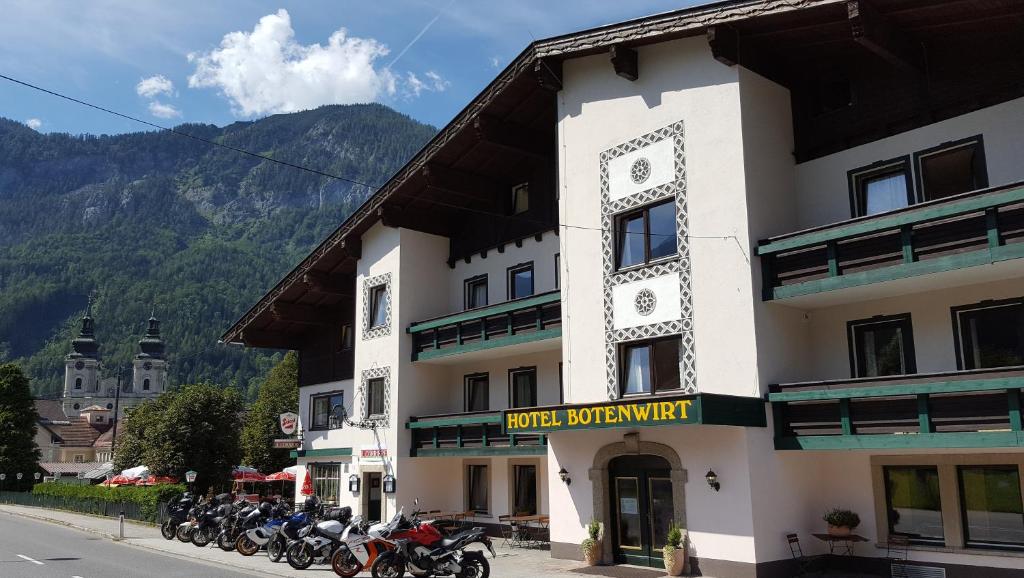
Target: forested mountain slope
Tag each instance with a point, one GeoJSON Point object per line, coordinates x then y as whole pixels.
{"type": "Point", "coordinates": [156, 220]}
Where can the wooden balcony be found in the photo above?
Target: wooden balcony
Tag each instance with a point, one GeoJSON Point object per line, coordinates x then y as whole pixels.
{"type": "Point", "coordinates": [978, 228]}
{"type": "Point", "coordinates": [961, 409]}
{"type": "Point", "coordinates": [531, 319]}
{"type": "Point", "coordinates": [470, 434]}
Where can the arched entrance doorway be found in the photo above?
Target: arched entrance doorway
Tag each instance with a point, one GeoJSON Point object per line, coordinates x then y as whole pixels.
{"type": "Point", "coordinates": [641, 508]}
{"type": "Point", "coordinates": [644, 461]}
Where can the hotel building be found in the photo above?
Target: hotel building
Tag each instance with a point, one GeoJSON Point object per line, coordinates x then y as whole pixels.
{"type": "Point", "coordinates": [777, 241]}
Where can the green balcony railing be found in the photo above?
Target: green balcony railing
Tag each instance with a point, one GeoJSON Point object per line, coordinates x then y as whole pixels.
{"type": "Point", "coordinates": [524, 320]}
{"type": "Point", "coordinates": [976, 228]}
{"type": "Point", "coordinates": [470, 434]}
{"type": "Point", "coordinates": [961, 409]}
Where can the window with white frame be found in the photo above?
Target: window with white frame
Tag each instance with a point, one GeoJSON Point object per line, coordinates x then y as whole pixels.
{"type": "Point", "coordinates": [379, 306]}
{"type": "Point", "coordinates": [375, 406]}
{"type": "Point", "coordinates": [327, 411]}
{"type": "Point", "coordinates": [882, 345]}
{"type": "Point", "coordinates": [326, 482]}
{"type": "Point", "coordinates": [476, 292]}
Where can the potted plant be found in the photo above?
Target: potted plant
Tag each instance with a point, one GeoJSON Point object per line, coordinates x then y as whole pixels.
{"type": "Point", "coordinates": [591, 547]}
{"type": "Point", "coordinates": [841, 522]}
{"type": "Point", "coordinates": [674, 551]}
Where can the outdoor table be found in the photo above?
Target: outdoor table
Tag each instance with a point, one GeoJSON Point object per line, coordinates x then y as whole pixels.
{"type": "Point", "coordinates": [529, 528]}
{"type": "Point", "coordinates": [845, 543]}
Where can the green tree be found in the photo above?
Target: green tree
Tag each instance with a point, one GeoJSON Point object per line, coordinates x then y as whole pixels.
{"type": "Point", "coordinates": [193, 428]}
{"type": "Point", "coordinates": [278, 394]}
{"type": "Point", "coordinates": [18, 451]}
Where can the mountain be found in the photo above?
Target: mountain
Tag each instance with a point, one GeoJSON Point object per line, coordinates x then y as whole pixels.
{"type": "Point", "coordinates": [158, 221]}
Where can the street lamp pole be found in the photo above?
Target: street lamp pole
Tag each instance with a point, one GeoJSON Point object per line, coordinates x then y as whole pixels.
{"type": "Point", "coordinates": [117, 405]}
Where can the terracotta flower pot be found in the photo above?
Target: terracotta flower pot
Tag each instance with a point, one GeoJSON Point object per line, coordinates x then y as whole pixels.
{"type": "Point", "coordinates": [592, 554]}
{"type": "Point", "coordinates": [839, 531]}
{"type": "Point", "coordinates": [675, 560]}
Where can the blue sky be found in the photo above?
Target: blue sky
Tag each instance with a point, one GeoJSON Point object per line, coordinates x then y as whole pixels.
{"type": "Point", "coordinates": [218, 62]}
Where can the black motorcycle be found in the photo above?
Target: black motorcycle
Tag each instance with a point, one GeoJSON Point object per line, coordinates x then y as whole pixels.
{"type": "Point", "coordinates": [230, 526]}
{"type": "Point", "coordinates": [208, 523]}
{"type": "Point", "coordinates": [177, 514]}
{"type": "Point", "coordinates": [446, 557]}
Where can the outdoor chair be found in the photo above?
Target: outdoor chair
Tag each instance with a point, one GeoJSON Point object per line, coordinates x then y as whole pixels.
{"type": "Point", "coordinates": [896, 551]}
{"type": "Point", "coordinates": [803, 562]}
{"type": "Point", "coordinates": [509, 530]}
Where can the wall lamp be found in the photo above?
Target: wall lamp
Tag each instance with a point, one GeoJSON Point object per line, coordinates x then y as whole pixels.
{"type": "Point", "coordinates": [712, 479]}
{"type": "Point", "coordinates": [564, 476]}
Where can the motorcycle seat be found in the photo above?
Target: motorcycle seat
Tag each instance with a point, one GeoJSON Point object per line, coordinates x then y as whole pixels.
{"type": "Point", "coordinates": [218, 520]}
{"type": "Point", "coordinates": [446, 542]}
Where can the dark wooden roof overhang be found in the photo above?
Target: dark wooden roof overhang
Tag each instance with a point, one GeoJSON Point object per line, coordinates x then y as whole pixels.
{"type": "Point", "coordinates": [463, 174]}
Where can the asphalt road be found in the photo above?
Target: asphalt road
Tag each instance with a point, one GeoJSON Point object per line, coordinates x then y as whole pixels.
{"type": "Point", "coordinates": [34, 549]}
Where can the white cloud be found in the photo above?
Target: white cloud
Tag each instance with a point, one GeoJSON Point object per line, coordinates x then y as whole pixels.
{"type": "Point", "coordinates": [267, 71]}
{"type": "Point", "coordinates": [154, 86]}
{"type": "Point", "coordinates": [495, 62]}
{"type": "Point", "coordinates": [33, 123]}
{"type": "Point", "coordinates": [161, 110]}
{"type": "Point", "coordinates": [432, 83]}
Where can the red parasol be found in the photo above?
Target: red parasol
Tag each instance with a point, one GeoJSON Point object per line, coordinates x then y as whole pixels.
{"type": "Point", "coordinates": [248, 476]}
{"type": "Point", "coordinates": [157, 480]}
{"type": "Point", "coordinates": [280, 477]}
{"type": "Point", "coordinates": [307, 484]}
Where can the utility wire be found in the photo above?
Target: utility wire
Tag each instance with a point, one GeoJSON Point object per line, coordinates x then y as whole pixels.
{"type": "Point", "coordinates": [326, 174]}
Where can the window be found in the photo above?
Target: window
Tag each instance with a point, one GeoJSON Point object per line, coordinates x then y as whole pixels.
{"type": "Point", "coordinates": [476, 488]}
{"type": "Point", "coordinates": [78, 383]}
{"type": "Point", "coordinates": [327, 410]}
{"type": "Point", "coordinates": [523, 387]}
{"type": "Point", "coordinates": [650, 367]}
{"type": "Point", "coordinates": [326, 482]}
{"type": "Point", "coordinates": [520, 281]}
{"type": "Point", "coordinates": [883, 186]}
{"type": "Point", "coordinates": [346, 336]}
{"type": "Point", "coordinates": [881, 346]}
{"type": "Point", "coordinates": [913, 503]}
{"type": "Point", "coordinates": [145, 384]}
{"type": "Point", "coordinates": [478, 392]}
{"type": "Point", "coordinates": [375, 397]}
{"type": "Point", "coordinates": [558, 270]}
{"type": "Point", "coordinates": [993, 515]}
{"type": "Point", "coordinates": [989, 334]}
{"type": "Point", "coordinates": [646, 235]}
{"type": "Point", "coordinates": [79, 458]}
{"type": "Point", "coordinates": [520, 198]}
{"type": "Point", "coordinates": [524, 489]}
{"type": "Point", "coordinates": [476, 292]}
{"type": "Point", "coordinates": [379, 306]}
{"type": "Point", "coordinates": [951, 169]}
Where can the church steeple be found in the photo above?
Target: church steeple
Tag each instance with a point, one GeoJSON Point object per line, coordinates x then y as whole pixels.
{"type": "Point", "coordinates": [152, 345]}
{"type": "Point", "coordinates": [85, 345]}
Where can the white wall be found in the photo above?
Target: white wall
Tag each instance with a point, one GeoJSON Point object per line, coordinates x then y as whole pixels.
{"type": "Point", "coordinates": [497, 368]}
{"type": "Point", "coordinates": [821, 184]}
{"type": "Point", "coordinates": [495, 266]}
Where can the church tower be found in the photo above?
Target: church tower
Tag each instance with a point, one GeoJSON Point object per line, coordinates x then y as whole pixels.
{"type": "Point", "coordinates": [82, 365]}
{"type": "Point", "coordinates": [149, 375]}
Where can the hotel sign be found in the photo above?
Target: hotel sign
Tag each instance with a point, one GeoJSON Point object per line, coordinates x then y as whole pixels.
{"type": "Point", "coordinates": [647, 411]}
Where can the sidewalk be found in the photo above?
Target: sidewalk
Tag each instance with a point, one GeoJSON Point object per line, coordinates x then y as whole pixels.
{"type": "Point", "coordinates": [510, 563]}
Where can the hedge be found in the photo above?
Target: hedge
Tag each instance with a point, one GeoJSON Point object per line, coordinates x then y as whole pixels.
{"type": "Point", "coordinates": [147, 498]}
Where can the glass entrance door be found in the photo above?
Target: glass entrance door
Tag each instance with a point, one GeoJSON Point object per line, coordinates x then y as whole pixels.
{"type": "Point", "coordinates": [642, 509]}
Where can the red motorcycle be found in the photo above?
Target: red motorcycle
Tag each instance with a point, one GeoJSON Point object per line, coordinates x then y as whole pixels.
{"type": "Point", "coordinates": [424, 551]}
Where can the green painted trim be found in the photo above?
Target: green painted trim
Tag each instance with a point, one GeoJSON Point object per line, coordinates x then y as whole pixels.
{"type": "Point", "coordinates": [426, 422]}
{"type": "Point", "coordinates": [487, 451]}
{"type": "Point", "coordinates": [909, 389]}
{"type": "Point", "coordinates": [330, 452]}
{"type": "Point", "coordinates": [1013, 399]}
{"type": "Point", "coordinates": [903, 271]}
{"type": "Point", "coordinates": [506, 307]}
{"type": "Point", "coordinates": [1000, 439]}
{"type": "Point", "coordinates": [489, 344]}
{"type": "Point", "coordinates": [910, 216]}
{"type": "Point", "coordinates": [844, 417]}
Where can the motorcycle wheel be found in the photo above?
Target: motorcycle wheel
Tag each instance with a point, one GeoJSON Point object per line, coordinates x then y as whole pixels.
{"type": "Point", "coordinates": [182, 532]}
{"type": "Point", "coordinates": [388, 565]}
{"type": "Point", "coordinates": [344, 563]}
{"type": "Point", "coordinates": [167, 529]}
{"type": "Point", "coordinates": [276, 548]}
{"type": "Point", "coordinates": [246, 546]}
{"type": "Point", "coordinates": [224, 541]}
{"type": "Point", "coordinates": [300, 555]}
{"type": "Point", "coordinates": [474, 565]}
{"type": "Point", "coordinates": [201, 538]}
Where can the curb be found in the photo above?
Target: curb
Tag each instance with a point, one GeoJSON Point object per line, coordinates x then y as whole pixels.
{"type": "Point", "coordinates": [128, 541]}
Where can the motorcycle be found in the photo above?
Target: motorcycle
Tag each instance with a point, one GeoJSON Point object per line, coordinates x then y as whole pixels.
{"type": "Point", "coordinates": [208, 523]}
{"type": "Point", "coordinates": [318, 542]}
{"type": "Point", "coordinates": [231, 524]}
{"type": "Point", "coordinates": [184, 530]}
{"type": "Point", "coordinates": [425, 552]}
{"type": "Point", "coordinates": [259, 526]}
{"type": "Point", "coordinates": [177, 514]}
{"type": "Point", "coordinates": [285, 533]}
{"type": "Point", "coordinates": [360, 546]}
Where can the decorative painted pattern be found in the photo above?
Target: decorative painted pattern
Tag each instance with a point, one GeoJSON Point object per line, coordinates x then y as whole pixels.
{"type": "Point", "coordinates": [374, 373]}
{"type": "Point", "coordinates": [680, 265]}
{"type": "Point", "coordinates": [368, 284]}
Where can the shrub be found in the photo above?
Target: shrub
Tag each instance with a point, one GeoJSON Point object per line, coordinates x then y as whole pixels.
{"type": "Point", "coordinates": [147, 497]}
{"type": "Point", "coordinates": [840, 517]}
{"type": "Point", "coordinates": [674, 537]}
{"type": "Point", "coordinates": [593, 531]}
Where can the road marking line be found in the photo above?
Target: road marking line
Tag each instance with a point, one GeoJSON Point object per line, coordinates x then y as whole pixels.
{"type": "Point", "coordinates": [30, 559]}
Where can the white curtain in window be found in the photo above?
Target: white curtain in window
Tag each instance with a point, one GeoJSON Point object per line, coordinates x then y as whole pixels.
{"type": "Point", "coordinates": [638, 370]}
{"type": "Point", "coordinates": [885, 193]}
